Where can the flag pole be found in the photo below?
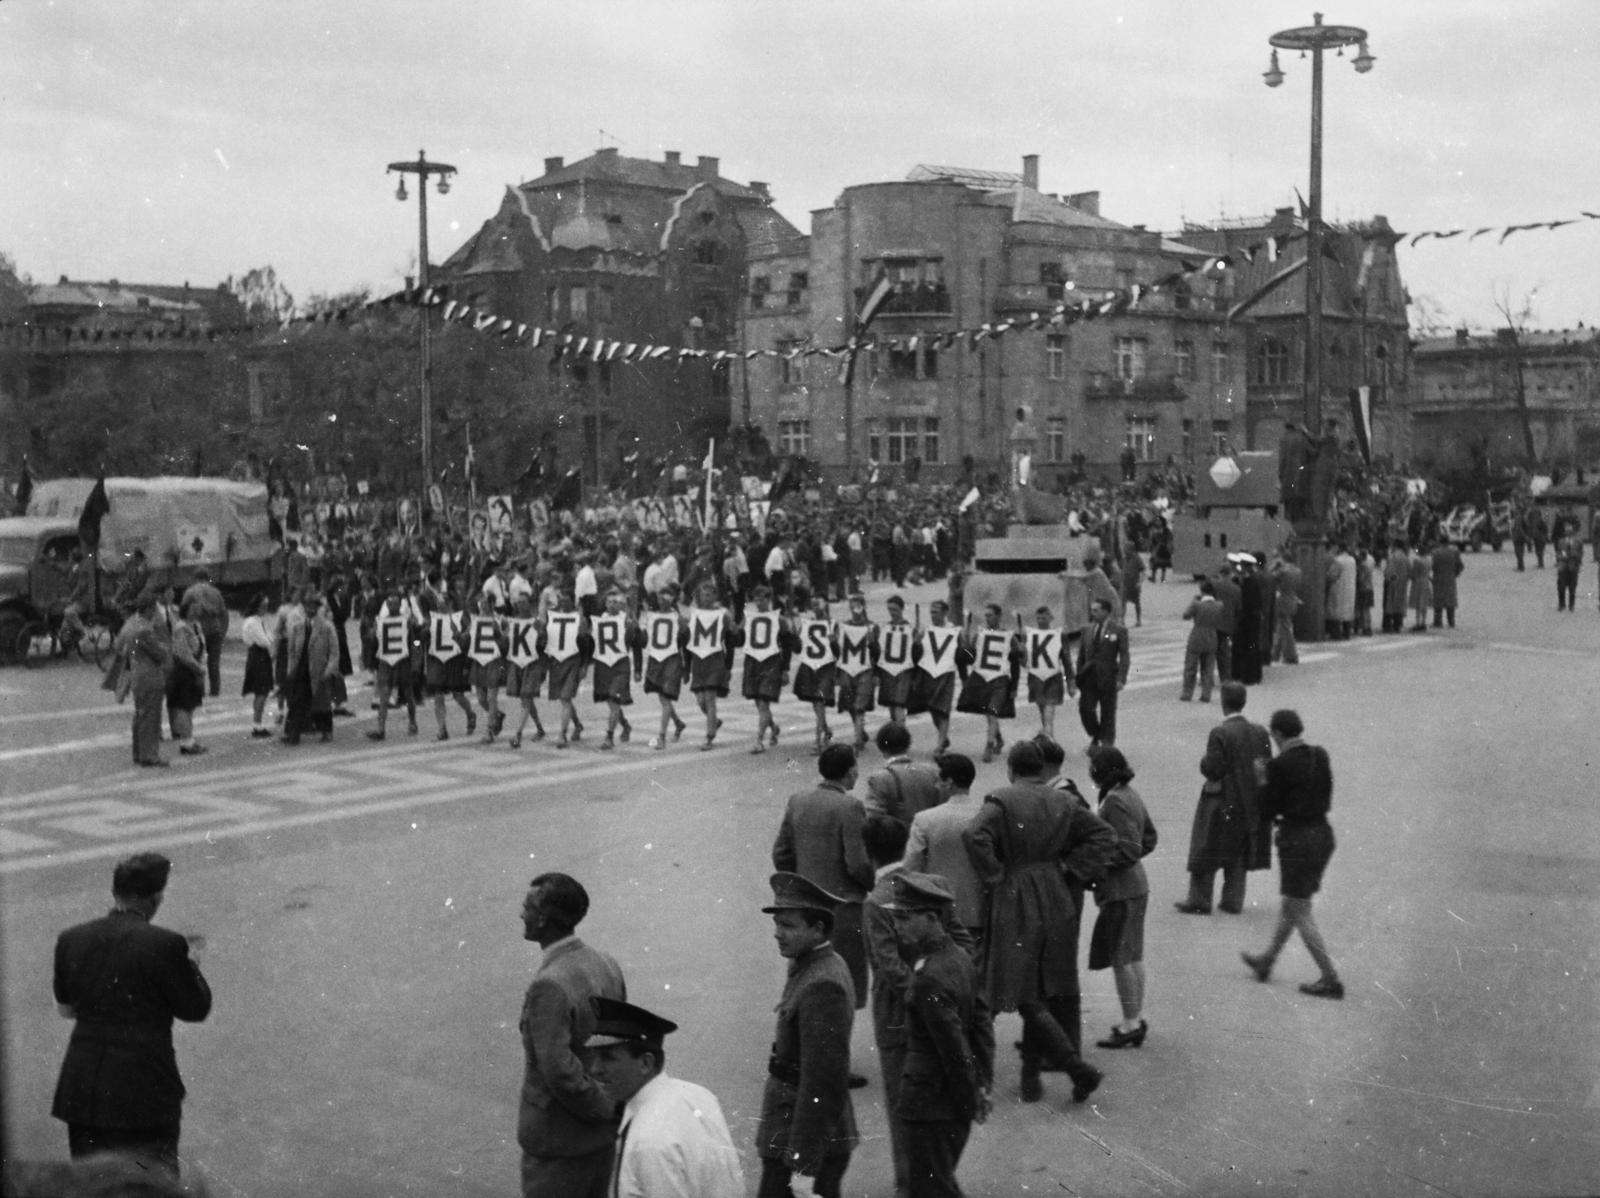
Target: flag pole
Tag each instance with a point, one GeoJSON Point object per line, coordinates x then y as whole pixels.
{"type": "Point", "coordinates": [711, 455]}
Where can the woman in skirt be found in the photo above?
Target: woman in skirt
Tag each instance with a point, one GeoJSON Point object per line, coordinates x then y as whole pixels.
{"type": "Point", "coordinates": [858, 691]}
{"type": "Point", "coordinates": [613, 682]}
{"type": "Point", "coordinates": [449, 669]}
{"type": "Point", "coordinates": [663, 674]}
{"type": "Point", "coordinates": [1047, 693]}
{"type": "Point", "coordinates": [567, 673]}
{"type": "Point", "coordinates": [186, 684]}
{"type": "Point", "coordinates": [1122, 893]}
{"type": "Point", "coordinates": [763, 680]}
{"type": "Point", "coordinates": [992, 698]}
{"type": "Point", "coordinates": [259, 646]}
{"type": "Point", "coordinates": [933, 687]}
{"type": "Point", "coordinates": [487, 680]}
{"type": "Point", "coordinates": [524, 683]}
{"type": "Point", "coordinates": [814, 676]}
{"type": "Point", "coordinates": [710, 674]}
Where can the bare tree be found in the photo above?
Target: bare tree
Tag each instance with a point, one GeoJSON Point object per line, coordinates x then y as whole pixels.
{"type": "Point", "coordinates": [265, 299]}
{"type": "Point", "coordinates": [1517, 314]}
{"type": "Point", "coordinates": [15, 288]}
{"type": "Point", "coordinates": [1428, 317]}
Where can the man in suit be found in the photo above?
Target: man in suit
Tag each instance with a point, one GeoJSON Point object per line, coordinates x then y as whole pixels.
{"type": "Point", "coordinates": [1200, 654]}
{"type": "Point", "coordinates": [820, 839]}
{"type": "Point", "coordinates": [902, 788]}
{"type": "Point", "coordinates": [123, 981]}
{"type": "Point", "coordinates": [1290, 581]}
{"type": "Point", "coordinates": [1230, 596]}
{"type": "Point", "coordinates": [1226, 834]}
{"type": "Point", "coordinates": [566, 1123]}
{"type": "Point", "coordinates": [1447, 567]}
{"type": "Point", "coordinates": [1396, 587]}
{"type": "Point", "coordinates": [1102, 672]}
{"type": "Point", "coordinates": [808, 1123]}
{"type": "Point", "coordinates": [949, 1055]}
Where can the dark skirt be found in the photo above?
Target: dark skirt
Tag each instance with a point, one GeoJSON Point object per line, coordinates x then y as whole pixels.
{"type": "Point", "coordinates": [856, 694]}
{"type": "Point", "coordinates": [981, 696]}
{"type": "Point", "coordinates": [184, 690]}
{"type": "Point", "coordinates": [452, 677]}
{"type": "Point", "coordinates": [564, 676]}
{"type": "Point", "coordinates": [1303, 853]}
{"type": "Point", "coordinates": [489, 677]}
{"type": "Point", "coordinates": [258, 679]}
{"type": "Point", "coordinates": [1118, 937]}
{"type": "Point", "coordinates": [525, 682]}
{"type": "Point", "coordinates": [763, 679]}
{"type": "Point", "coordinates": [894, 690]}
{"type": "Point", "coordinates": [613, 683]}
{"type": "Point", "coordinates": [936, 695]}
{"type": "Point", "coordinates": [1046, 690]}
{"type": "Point", "coordinates": [664, 677]}
{"type": "Point", "coordinates": [814, 685]}
{"type": "Point", "coordinates": [710, 674]}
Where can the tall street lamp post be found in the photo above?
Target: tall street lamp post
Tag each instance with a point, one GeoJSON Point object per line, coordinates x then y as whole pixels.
{"type": "Point", "coordinates": [1311, 533]}
{"type": "Point", "coordinates": [422, 168]}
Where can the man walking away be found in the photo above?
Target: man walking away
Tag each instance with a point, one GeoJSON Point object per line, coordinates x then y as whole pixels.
{"type": "Point", "coordinates": [1226, 832]}
{"type": "Point", "coordinates": [1200, 653]}
{"type": "Point", "coordinates": [203, 604]}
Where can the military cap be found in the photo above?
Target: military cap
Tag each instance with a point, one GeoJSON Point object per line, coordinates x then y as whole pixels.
{"type": "Point", "coordinates": [921, 892]}
{"type": "Point", "coordinates": [624, 1023]}
{"type": "Point", "coordinates": [791, 892]}
{"type": "Point", "coordinates": [141, 875]}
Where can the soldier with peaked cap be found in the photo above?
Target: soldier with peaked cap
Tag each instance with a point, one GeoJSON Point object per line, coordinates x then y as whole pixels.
{"type": "Point", "coordinates": [124, 980]}
{"type": "Point", "coordinates": [949, 1056]}
{"type": "Point", "coordinates": [808, 1124]}
{"type": "Point", "coordinates": [674, 1142]}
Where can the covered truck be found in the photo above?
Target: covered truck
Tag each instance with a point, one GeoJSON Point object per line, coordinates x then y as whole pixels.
{"type": "Point", "coordinates": [1243, 516]}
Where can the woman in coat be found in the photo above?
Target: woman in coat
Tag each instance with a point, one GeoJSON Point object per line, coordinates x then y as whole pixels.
{"type": "Point", "coordinates": [1122, 893]}
{"type": "Point", "coordinates": [1421, 567]}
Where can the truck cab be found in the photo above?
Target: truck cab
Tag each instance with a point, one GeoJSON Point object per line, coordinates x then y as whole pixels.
{"type": "Point", "coordinates": [1034, 565]}
{"type": "Point", "coordinates": [35, 570]}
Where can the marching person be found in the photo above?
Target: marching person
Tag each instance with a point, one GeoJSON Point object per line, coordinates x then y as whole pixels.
{"type": "Point", "coordinates": [764, 676]}
{"type": "Point", "coordinates": [1227, 832]}
{"type": "Point", "coordinates": [565, 673]}
{"type": "Point", "coordinates": [393, 678]}
{"type": "Point", "coordinates": [1298, 794]}
{"type": "Point", "coordinates": [1043, 650]}
{"type": "Point", "coordinates": [615, 665]}
{"type": "Point", "coordinates": [808, 1123]}
{"type": "Point", "coordinates": [856, 669]}
{"type": "Point", "coordinates": [710, 662]}
{"type": "Point", "coordinates": [895, 670]}
{"type": "Point", "coordinates": [488, 678]}
{"type": "Point", "coordinates": [1123, 892]}
{"type": "Point", "coordinates": [525, 681]}
{"type": "Point", "coordinates": [987, 690]}
{"type": "Point", "coordinates": [449, 669]}
{"type": "Point", "coordinates": [566, 1123]}
{"type": "Point", "coordinates": [1102, 672]}
{"type": "Point", "coordinates": [814, 675]}
{"type": "Point", "coordinates": [258, 650]}
{"type": "Point", "coordinates": [1025, 842]}
{"type": "Point", "coordinates": [663, 669]}
{"type": "Point", "coordinates": [673, 1142]}
{"type": "Point", "coordinates": [934, 687]}
{"type": "Point", "coordinates": [123, 981]}
{"type": "Point", "coordinates": [949, 1053]}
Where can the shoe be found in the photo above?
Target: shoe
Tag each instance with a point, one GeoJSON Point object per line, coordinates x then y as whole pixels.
{"type": "Point", "coordinates": [607, 744]}
{"type": "Point", "coordinates": [160, 764]}
{"type": "Point", "coordinates": [627, 732]}
{"type": "Point", "coordinates": [657, 743]}
{"type": "Point", "coordinates": [1260, 966]}
{"type": "Point", "coordinates": [472, 724]}
{"type": "Point", "coordinates": [486, 739]}
{"type": "Point", "coordinates": [411, 728]}
{"type": "Point", "coordinates": [857, 1082]}
{"type": "Point", "coordinates": [1032, 1084]}
{"type": "Point", "coordinates": [289, 740]}
{"type": "Point", "coordinates": [708, 744]}
{"type": "Point", "coordinates": [1086, 1083]}
{"type": "Point", "coordinates": [325, 737]}
{"type": "Point", "coordinates": [1323, 988]}
{"type": "Point", "coordinates": [516, 741]}
{"type": "Point", "coordinates": [678, 728]}
{"type": "Point", "coordinates": [758, 747]}
{"type": "Point", "coordinates": [1186, 698]}
{"type": "Point", "coordinates": [1189, 908]}
{"type": "Point", "coordinates": [1121, 1039]}
{"type": "Point", "coordinates": [1228, 909]}
{"type": "Point", "coordinates": [563, 742]}
{"type": "Point", "coordinates": [377, 735]}
{"type": "Point", "coordinates": [260, 733]}
{"type": "Point", "coordinates": [443, 735]}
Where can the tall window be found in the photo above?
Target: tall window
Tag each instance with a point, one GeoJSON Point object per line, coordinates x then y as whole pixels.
{"type": "Point", "coordinates": [720, 381]}
{"type": "Point", "coordinates": [794, 438]}
{"type": "Point", "coordinates": [901, 438]}
{"type": "Point", "coordinates": [1129, 361]}
{"type": "Point", "coordinates": [1221, 363]}
{"type": "Point", "coordinates": [1140, 436]}
{"type": "Point", "coordinates": [930, 439]}
{"type": "Point", "coordinates": [1054, 277]}
{"type": "Point", "coordinates": [1220, 430]}
{"type": "Point", "coordinates": [1124, 277]}
{"type": "Point", "coordinates": [1272, 362]}
{"type": "Point", "coordinates": [760, 287]}
{"type": "Point", "coordinates": [874, 440]}
{"type": "Point", "coordinates": [1188, 440]}
{"type": "Point", "coordinates": [1055, 356]}
{"type": "Point", "coordinates": [602, 303]}
{"type": "Point", "coordinates": [791, 363]}
{"type": "Point", "coordinates": [1055, 439]}
{"type": "Point", "coordinates": [707, 252]}
{"type": "Point", "coordinates": [921, 363]}
{"type": "Point", "coordinates": [1183, 359]}
{"type": "Point", "coordinates": [578, 303]}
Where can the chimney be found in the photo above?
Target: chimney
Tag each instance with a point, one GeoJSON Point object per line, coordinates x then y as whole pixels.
{"type": "Point", "coordinates": [760, 189]}
{"type": "Point", "coordinates": [63, 280]}
{"type": "Point", "coordinates": [1461, 336]}
{"type": "Point", "coordinates": [1506, 336]}
{"type": "Point", "coordinates": [552, 165]}
{"type": "Point", "coordinates": [1030, 171]}
{"type": "Point", "coordinates": [708, 167]}
{"type": "Point", "coordinates": [606, 152]}
{"type": "Point", "coordinates": [1084, 201]}
{"type": "Point", "coordinates": [674, 158]}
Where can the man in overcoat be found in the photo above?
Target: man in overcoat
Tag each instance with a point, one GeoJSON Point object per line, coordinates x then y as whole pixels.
{"type": "Point", "coordinates": [312, 656]}
{"type": "Point", "coordinates": [1227, 833]}
{"type": "Point", "coordinates": [1247, 628]}
{"type": "Point", "coordinates": [566, 1123]}
{"type": "Point", "coordinates": [1290, 583]}
{"type": "Point", "coordinates": [808, 1123]}
{"type": "Point", "coordinates": [1447, 567]}
{"type": "Point", "coordinates": [820, 839]}
{"type": "Point", "coordinates": [1396, 587]}
{"type": "Point", "coordinates": [1230, 596]}
{"type": "Point", "coordinates": [123, 981]}
{"type": "Point", "coordinates": [1026, 842]}
{"type": "Point", "coordinates": [1200, 652]}
{"type": "Point", "coordinates": [1102, 672]}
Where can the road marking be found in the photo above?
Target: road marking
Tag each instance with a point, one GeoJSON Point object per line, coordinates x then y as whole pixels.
{"type": "Point", "coordinates": [76, 713]}
{"type": "Point", "coordinates": [1542, 652]}
{"type": "Point", "coordinates": [1387, 646]}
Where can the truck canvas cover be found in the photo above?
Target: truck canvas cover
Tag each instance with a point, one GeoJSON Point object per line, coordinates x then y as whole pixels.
{"type": "Point", "coordinates": [176, 521]}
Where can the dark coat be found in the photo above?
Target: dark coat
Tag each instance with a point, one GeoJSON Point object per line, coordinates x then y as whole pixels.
{"type": "Point", "coordinates": [1207, 614]}
{"type": "Point", "coordinates": [1103, 659]}
{"type": "Point", "coordinates": [126, 980]}
{"type": "Point", "coordinates": [1023, 842]}
{"type": "Point", "coordinates": [1227, 820]}
{"type": "Point", "coordinates": [820, 839]}
{"type": "Point", "coordinates": [903, 789]}
{"type": "Point", "coordinates": [563, 1111]}
{"type": "Point", "coordinates": [1229, 595]}
{"type": "Point", "coordinates": [949, 1040]}
{"type": "Point", "coordinates": [806, 1112]}
{"type": "Point", "coordinates": [892, 961]}
{"type": "Point", "coordinates": [1396, 580]}
{"type": "Point", "coordinates": [1447, 567]}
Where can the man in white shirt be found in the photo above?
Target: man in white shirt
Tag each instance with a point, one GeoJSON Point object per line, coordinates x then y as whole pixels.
{"type": "Point", "coordinates": [519, 586]}
{"type": "Point", "coordinates": [673, 1142]}
{"type": "Point", "coordinates": [586, 586]}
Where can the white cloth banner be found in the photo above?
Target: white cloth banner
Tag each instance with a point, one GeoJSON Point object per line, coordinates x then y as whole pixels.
{"type": "Point", "coordinates": [855, 656]}
{"type": "Point", "coordinates": [610, 639]}
{"type": "Point", "coordinates": [895, 657]}
{"type": "Point", "coordinates": [990, 654]}
{"type": "Point", "coordinates": [816, 643]}
{"type": "Point", "coordinates": [1043, 649]}
{"type": "Point", "coordinates": [485, 649]}
{"type": "Point", "coordinates": [442, 635]}
{"type": "Point", "coordinates": [705, 631]}
{"type": "Point", "coordinates": [762, 631]}
{"type": "Point", "coordinates": [392, 647]}
{"type": "Point", "coordinates": [561, 635]}
{"type": "Point", "coordinates": [661, 635]}
{"type": "Point", "coordinates": [523, 635]}
{"type": "Point", "coordinates": [939, 651]}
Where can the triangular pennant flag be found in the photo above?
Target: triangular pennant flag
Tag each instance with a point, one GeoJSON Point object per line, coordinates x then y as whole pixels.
{"type": "Point", "coordinates": [583, 344]}
{"type": "Point", "coordinates": [629, 350]}
{"type": "Point", "coordinates": [538, 337]}
{"type": "Point", "coordinates": [1481, 232]}
{"type": "Point", "coordinates": [522, 331]}
{"type": "Point", "coordinates": [599, 350]}
{"type": "Point", "coordinates": [1272, 249]}
{"type": "Point", "coordinates": [613, 350]}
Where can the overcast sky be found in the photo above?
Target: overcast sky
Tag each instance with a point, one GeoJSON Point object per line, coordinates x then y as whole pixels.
{"type": "Point", "coordinates": [173, 140]}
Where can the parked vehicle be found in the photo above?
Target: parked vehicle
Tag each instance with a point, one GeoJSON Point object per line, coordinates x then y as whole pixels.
{"type": "Point", "coordinates": [1468, 528]}
{"type": "Point", "coordinates": [1244, 517]}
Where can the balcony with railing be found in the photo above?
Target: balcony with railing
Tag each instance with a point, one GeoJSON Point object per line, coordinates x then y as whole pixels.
{"type": "Point", "coordinates": [911, 299]}
{"type": "Point", "coordinates": [1147, 388]}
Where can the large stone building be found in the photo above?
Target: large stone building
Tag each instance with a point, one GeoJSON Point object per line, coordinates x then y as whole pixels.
{"type": "Point", "coordinates": [632, 250]}
{"type": "Point", "coordinates": [963, 248]}
{"type": "Point", "coordinates": [1364, 331]}
{"type": "Point", "coordinates": [1471, 390]}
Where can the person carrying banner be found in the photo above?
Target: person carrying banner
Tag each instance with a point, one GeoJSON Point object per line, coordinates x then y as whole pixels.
{"type": "Point", "coordinates": [488, 652]}
{"type": "Point", "coordinates": [712, 640]}
{"type": "Point", "coordinates": [1042, 653]}
{"type": "Point", "coordinates": [987, 690]}
{"type": "Point", "coordinates": [393, 626]}
{"type": "Point", "coordinates": [665, 631]}
{"type": "Point", "coordinates": [857, 667]}
{"type": "Point", "coordinates": [524, 666]}
{"type": "Point", "coordinates": [896, 673]}
{"type": "Point", "coordinates": [449, 668]}
{"type": "Point", "coordinates": [563, 650]}
{"type": "Point", "coordinates": [936, 651]}
{"type": "Point", "coordinates": [618, 659]}
{"type": "Point", "coordinates": [767, 648]}
{"type": "Point", "coordinates": [816, 641]}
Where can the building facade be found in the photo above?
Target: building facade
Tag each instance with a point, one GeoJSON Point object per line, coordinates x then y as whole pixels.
{"type": "Point", "coordinates": [1364, 332]}
{"type": "Point", "coordinates": [632, 250]}
{"type": "Point", "coordinates": [1472, 390]}
{"type": "Point", "coordinates": [965, 248]}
